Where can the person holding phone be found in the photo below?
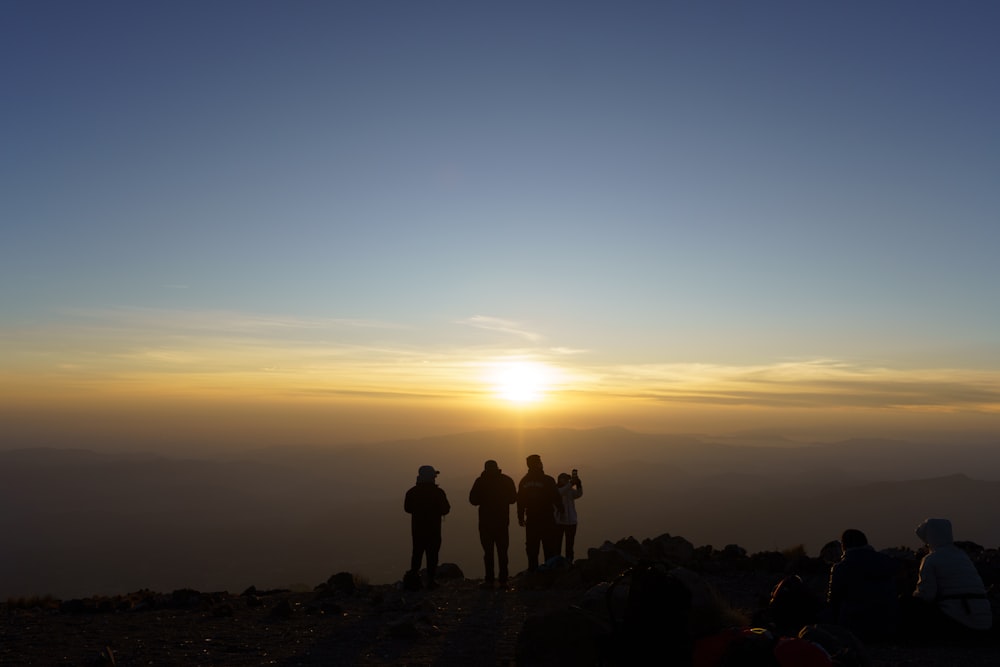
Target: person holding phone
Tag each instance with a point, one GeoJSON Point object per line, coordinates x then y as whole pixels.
{"type": "Point", "coordinates": [570, 488]}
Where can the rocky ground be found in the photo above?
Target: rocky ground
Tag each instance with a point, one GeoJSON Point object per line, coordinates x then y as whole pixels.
{"type": "Point", "coordinates": [344, 622]}
{"type": "Point", "coordinates": [457, 624]}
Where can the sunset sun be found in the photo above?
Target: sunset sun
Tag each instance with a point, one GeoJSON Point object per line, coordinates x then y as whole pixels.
{"type": "Point", "coordinates": [521, 381]}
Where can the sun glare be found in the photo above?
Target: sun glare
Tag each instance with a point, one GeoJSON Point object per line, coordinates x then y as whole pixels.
{"type": "Point", "coordinates": [521, 381]}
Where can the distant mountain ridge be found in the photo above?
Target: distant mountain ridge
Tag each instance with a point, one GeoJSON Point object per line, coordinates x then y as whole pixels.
{"type": "Point", "coordinates": [85, 522]}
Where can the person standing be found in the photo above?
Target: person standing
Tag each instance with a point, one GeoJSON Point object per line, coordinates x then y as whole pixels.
{"type": "Point", "coordinates": [426, 503]}
{"type": "Point", "coordinates": [570, 488]}
{"type": "Point", "coordinates": [538, 500]}
{"type": "Point", "coordinates": [494, 492]}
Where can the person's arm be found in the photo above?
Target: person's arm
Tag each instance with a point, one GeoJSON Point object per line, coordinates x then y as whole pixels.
{"type": "Point", "coordinates": [927, 585]}
{"type": "Point", "coordinates": [520, 506]}
{"type": "Point", "coordinates": [835, 591]}
{"type": "Point", "coordinates": [408, 503]}
{"type": "Point", "coordinates": [474, 493]}
{"type": "Point", "coordinates": [556, 499]}
{"type": "Point", "coordinates": [445, 505]}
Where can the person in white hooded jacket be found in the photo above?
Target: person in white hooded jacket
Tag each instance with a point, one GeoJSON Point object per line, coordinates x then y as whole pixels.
{"type": "Point", "coordinates": [570, 488]}
{"type": "Point", "coordinates": [948, 578]}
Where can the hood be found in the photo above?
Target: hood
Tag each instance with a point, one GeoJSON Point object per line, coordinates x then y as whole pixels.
{"type": "Point", "coordinates": [935, 532]}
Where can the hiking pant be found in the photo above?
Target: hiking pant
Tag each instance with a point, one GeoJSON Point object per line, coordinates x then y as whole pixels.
{"type": "Point", "coordinates": [540, 533]}
{"type": "Point", "coordinates": [567, 530]}
{"type": "Point", "coordinates": [494, 536]}
{"type": "Point", "coordinates": [425, 543]}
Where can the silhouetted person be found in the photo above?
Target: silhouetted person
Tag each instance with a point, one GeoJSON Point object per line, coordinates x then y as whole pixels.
{"type": "Point", "coordinates": [862, 592]}
{"type": "Point", "coordinates": [538, 500]}
{"type": "Point", "coordinates": [426, 503]}
{"type": "Point", "coordinates": [793, 606]}
{"type": "Point", "coordinates": [494, 492]}
{"type": "Point", "coordinates": [950, 599]}
{"type": "Point", "coordinates": [570, 488]}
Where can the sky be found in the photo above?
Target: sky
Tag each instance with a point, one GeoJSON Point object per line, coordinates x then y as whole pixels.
{"type": "Point", "coordinates": [277, 222]}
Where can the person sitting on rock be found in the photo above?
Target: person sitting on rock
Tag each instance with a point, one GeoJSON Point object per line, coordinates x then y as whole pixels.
{"type": "Point", "coordinates": [950, 596]}
{"type": "Point", "coordinates": [862, 590]}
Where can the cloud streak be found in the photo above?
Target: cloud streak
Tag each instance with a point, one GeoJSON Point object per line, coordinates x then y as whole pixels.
{"type": "Point", "coordinates": [282, 357]}
{"type": "Point", "coordinates": [499, 325]}
{"type": "Point", "coordinates": [810, 384]}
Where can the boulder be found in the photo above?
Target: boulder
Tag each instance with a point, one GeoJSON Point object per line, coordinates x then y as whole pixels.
{"type": "Point", "coordinates": [675, 550]}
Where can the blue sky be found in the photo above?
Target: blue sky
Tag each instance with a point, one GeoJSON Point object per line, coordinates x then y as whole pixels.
{"type": "Point", "coordinates": [672, 191]}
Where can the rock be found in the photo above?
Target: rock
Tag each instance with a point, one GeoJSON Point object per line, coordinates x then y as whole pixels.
{"type": "Point", "coordinates": [607, 562]}
{"type": "Point", "coordinates": [323, 607]}
{"type": "Point", "coordinates": [342, 582]}
{"type": "Point", "coordinates": [769, 561]}
{"type": "Point", "coordinates": [449, 571]}
{"type": "Point", "coordinates": [404, 627]}
{"type": "Point", "coordinates": [185, 598]}
{"type": "Point", "coordinates": [223, 610]}
{"type": "Point", "coordinates": [283, 609]}
{"type": "Point", "coordinates": [631, 546]}
{"type": "Point", "coordinates": [675, 550]}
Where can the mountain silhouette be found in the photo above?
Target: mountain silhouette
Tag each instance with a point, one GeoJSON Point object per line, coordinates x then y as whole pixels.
{"type": "Point", "coordinates": [86, 522]}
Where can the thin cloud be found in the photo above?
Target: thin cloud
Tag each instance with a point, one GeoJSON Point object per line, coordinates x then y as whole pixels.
{"type": "Point", "coordinates": [806, 384]}
{"type": "Point", "coordinates": [501, 326]}
{"type": "Point", "coordinates": [219, 320]}
{"type": "Point", "coordinates": [275, 355]}
{"type": "Point", "coordinates": [566, 351]}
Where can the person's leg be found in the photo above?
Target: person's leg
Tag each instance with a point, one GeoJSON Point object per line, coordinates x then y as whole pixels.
{"type": "Point", "coordinates": [559, 537]}
{"type": "Point", "coordinates": [433, 547]}
{"type": "Point", "coordinates": [550, 540]}
{"type": "Point", "coordinates": [570, 532]}
{"type": "Point", "coordinates": [486, 540]}
{"type": "Point", "coordinates": [502, 543]}
{"type": "Point", "coordinates": [416, 555]}
{"type": "Point", "coordinates": [533, 540]}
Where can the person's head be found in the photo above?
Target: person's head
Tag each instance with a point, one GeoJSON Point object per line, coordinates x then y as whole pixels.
{"type": "Point", "coordinates": [534, 462]}
{"type": "Point", "coordinates": [563, 478]}
{"type": "Point", "coordinates": [852, 538]}
{"type": "Point", "coordinates": [935, 532]}
{"type": "Point", "coordinates": [426, 475]}
{"type": "Point", "coordinates": [491, 467]}
{"type": "Point", "coordinates": [832, 552]}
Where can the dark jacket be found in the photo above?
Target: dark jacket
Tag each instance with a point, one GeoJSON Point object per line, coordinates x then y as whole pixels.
{"type": "Point", "coordinates": [426, 503]}
{"type": "Point", "coordinates": [863, 593]}
{"type": "Point", "coordinates": [538, 498]}
{"type": "Point", "coordinates": [494, 493]}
